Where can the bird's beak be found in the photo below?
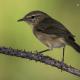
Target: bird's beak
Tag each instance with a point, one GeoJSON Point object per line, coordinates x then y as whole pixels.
{"type": "Point", "coordinates": [20, 20]}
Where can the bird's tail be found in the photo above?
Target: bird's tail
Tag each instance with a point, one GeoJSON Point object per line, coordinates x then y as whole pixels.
{"type": "Point", "coordinates": [75, 46]}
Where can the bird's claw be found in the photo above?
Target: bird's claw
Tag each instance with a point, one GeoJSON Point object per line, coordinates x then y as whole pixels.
{"type": "Point", "coordinates": [61, 65]}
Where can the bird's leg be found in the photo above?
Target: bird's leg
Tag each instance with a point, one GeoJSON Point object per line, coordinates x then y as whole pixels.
{"type": "Point", "coordinates": [62, 58]}
{"type": "Point", "coordinates": [44, 51]}
{"type": "Point", "coordinates": [63, 54]}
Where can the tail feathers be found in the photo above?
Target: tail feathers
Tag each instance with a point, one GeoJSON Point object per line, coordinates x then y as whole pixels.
{"type": "Point", "coordinates": [75, 46]}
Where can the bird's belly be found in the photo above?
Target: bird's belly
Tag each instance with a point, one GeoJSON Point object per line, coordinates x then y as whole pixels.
{"type": "Point", "coordinates": [51, 41]}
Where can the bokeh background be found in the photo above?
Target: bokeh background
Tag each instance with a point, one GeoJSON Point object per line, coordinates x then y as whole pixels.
{"type": "Point", "coordinates": [19, 35]}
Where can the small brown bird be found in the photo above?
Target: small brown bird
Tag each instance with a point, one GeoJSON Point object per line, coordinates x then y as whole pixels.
{"type": "Point", "coordinates": [50, 32]}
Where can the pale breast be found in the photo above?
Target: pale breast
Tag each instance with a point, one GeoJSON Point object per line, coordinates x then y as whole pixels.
{"type": "Point", "coordinates": [51, 41]}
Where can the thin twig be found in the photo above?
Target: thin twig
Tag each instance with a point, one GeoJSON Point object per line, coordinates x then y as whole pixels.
{"type": "Point", "coordinates": [41, 58]}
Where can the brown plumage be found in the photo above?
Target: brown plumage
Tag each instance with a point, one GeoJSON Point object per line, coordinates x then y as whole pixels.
{"type": "Point", "coordinates": [49, 31]}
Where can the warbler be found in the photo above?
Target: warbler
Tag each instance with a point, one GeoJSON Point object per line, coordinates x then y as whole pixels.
{"type": "Point", "coordinates": [49, 31]}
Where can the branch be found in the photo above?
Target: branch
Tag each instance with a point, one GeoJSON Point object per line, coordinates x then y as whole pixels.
{"type": "Point", "coordinates": [41, 58]}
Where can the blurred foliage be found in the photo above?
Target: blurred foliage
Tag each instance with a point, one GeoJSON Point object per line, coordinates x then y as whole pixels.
{"type": "Point", "coordinates": [19, 35]}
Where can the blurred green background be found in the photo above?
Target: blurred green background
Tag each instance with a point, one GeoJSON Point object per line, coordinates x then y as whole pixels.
{"type": "Point", "coordinates": [19, 35]}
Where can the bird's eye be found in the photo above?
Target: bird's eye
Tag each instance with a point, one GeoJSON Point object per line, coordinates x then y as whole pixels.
{"type": "Point", "coordinates": [32, 17]}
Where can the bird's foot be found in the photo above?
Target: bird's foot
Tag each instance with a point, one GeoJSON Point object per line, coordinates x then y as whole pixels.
{"type": "Point", "coordinates": [42, 51]}
{"type": "Point", "coordinates": [61, 65]}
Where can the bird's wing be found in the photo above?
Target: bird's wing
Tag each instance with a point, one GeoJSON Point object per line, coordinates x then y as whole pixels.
{"type": "Point", "coordinates": [54, 27]}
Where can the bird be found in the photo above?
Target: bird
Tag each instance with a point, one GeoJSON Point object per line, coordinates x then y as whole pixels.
{"type": "Point", "coordinates": [50, 31]}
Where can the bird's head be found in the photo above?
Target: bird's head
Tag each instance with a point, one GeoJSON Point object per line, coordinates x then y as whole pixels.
{"type": "Point", "coordinates": [34, 17]}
